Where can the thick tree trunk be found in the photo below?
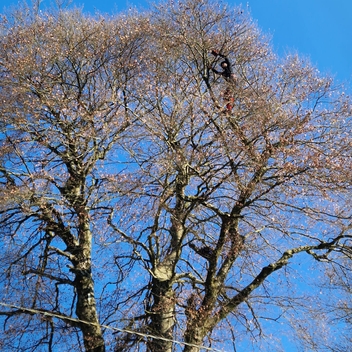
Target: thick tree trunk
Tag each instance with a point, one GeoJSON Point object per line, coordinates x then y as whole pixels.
{"type": "Point", "coordinates": [86, 309]}
{"type": "Point", "coordinates": [162, 316]}
{"type": "Point", "coordinates": [194, 336]}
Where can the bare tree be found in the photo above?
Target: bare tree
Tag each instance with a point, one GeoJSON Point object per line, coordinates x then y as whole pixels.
{"type": "Point", "coordinates": [65, 103]}
{"type": "Point", "coordinates": [135, 197]}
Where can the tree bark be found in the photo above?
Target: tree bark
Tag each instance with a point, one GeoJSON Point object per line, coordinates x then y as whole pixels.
{"type": "Point", "coordinates": [87, 312]}
{"type": "Point", "coordinates": [162, 316]}
{"type": "Point", "coordinates": [86, 305]}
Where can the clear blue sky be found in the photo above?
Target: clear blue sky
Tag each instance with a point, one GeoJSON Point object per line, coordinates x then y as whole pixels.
{"type": "Point", "coordinates": [318, 29]}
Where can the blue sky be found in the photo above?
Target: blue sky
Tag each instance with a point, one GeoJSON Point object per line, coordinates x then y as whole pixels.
{"type": "Point", "coordinates": [318, 29]}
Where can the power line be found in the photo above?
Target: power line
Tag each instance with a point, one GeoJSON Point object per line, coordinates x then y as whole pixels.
{"type": "Point", "coordinates": [63, 317]}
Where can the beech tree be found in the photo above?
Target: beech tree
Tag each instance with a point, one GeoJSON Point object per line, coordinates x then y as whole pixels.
{"type": "Point", "coordinates": [140, 213]}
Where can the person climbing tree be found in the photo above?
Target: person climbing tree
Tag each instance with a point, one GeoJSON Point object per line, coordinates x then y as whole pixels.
{"type": "Point", "coordinates": [229, 76]}
{"type": "Point", "coordinates": [226, 66]}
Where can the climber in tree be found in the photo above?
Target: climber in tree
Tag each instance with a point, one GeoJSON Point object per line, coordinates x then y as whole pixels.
{"type": "Point", "coordinates": [226, 66]}
{"type": "Point", "coordinates": [228, 76]}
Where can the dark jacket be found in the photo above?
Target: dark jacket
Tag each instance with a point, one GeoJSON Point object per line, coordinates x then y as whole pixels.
{"type": "Point", "coordinates": [227, 71]}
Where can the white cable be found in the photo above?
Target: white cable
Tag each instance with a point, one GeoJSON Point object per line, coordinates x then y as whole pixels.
{"type": "Point", "coordinates": [35, 311]}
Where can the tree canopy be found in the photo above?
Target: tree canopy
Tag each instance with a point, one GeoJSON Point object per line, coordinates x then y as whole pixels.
{"type": "Point", "coordinates": [150, 204]}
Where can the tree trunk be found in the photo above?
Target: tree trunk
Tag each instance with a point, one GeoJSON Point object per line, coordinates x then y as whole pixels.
{"type": "Point", "coordinates": [162, 316]}
{"type": "Point", "coordinates": [86, 309]}
{"type": "Point", "coordinates": [194, 336]}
